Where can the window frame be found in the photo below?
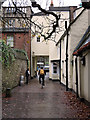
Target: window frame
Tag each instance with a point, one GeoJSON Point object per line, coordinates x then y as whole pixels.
{"type": "Point", "coordinates": [8, 41]}
{"type": "Point", "coordinates": [38, 39]}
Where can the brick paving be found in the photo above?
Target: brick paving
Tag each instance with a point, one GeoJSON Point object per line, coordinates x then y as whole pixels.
{"type": "Point", "coordinates": [30, 101]}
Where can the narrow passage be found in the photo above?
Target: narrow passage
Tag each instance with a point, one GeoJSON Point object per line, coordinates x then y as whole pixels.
{"type": "Point", "coordinates": [30, 101]}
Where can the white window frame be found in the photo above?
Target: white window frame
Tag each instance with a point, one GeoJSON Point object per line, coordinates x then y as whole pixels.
{"type": "Point", "coordinates": [10, 41]}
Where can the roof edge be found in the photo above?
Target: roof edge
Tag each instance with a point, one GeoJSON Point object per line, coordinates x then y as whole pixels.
{"type": "Point", "coordinates": [69, 27]}
{"type": "Point", "coordinates": [82, 39]}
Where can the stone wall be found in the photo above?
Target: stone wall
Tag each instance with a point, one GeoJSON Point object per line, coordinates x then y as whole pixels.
{"type": "Point", "coordinates": [11, 75]}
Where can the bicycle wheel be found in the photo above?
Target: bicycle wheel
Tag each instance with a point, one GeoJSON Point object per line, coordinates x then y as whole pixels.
{"type": "Point", "coordinates": [41, 83]}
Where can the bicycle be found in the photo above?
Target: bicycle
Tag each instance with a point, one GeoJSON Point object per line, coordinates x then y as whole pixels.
{"type": "Point", "coordinates": [41, 83]}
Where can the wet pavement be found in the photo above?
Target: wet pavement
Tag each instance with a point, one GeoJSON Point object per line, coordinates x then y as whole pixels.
{"type": "Point", "coordinates": [30, 101]}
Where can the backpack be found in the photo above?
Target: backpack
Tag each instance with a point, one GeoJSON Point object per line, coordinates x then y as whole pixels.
{"type": "Point", "coordinates": [41, 72]}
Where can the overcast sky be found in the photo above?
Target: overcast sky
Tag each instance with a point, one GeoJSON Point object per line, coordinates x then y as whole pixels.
{"type": "Point", "coordinates": [72, 2]}
{"type": "Point", "coordinates": [66, 2]}
{"type": "Point", "coordinates": [63, 3]}
{"type": "Point", "coordinates": [55, 2]}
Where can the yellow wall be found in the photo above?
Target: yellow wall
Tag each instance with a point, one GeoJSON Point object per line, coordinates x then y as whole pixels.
{"type": "Point", "coordinates": [39, 48]}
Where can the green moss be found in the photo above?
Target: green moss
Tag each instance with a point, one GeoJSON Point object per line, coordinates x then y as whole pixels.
{"type": "Point", "coordinates": [24, 52]}
{"type": "Point", "coordinates": [8, 54]}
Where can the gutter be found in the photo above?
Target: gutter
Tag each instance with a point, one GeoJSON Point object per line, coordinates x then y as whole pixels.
{"type": "Point", "coordinates": [86, 35]}
{"type": "Point", "coordinates": [82, 49]}
{"type": "Point", "coordinates": [60, 64]}
{"type": "Point", "coordinates": [66, 56]}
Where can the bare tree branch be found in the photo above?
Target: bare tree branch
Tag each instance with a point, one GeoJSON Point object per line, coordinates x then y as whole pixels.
{"type": "Point", "coordinates": [48, 31]}
{"type": "Point", "coordinates": [54, 25]}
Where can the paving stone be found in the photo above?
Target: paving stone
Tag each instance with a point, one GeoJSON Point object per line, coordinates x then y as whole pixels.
{"type": "Point", "coordinates": [30, 101]}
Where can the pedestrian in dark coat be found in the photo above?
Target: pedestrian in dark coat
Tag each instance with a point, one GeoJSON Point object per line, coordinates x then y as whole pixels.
{"type": "Point", "coordinates": [27, 75]}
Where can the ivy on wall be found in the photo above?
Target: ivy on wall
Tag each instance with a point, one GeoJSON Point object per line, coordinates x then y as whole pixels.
{"type": "Point", "coordinates": [8, 55]}
{"type": "Point", "coordinates": [25, 53]}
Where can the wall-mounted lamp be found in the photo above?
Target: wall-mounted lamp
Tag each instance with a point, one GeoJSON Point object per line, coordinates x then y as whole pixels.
{"type": "Point", "coordinates": [82, 60]}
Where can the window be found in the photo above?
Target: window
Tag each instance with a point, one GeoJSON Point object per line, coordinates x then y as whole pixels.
{"type": "Point", "coordinates": [13, 23]}
{"type": "Point", "coordinates": [54, 68]}
{"type": "Point", "coordinates": [10, 22]}
{"type": "Point", "coordinates": [10, 41]}
{"type": "Point", "coordinates": [38, 39]}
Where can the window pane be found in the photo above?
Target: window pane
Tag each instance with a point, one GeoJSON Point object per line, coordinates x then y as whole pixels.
{"type": "Point", "coordinates": [10, 41]}
{"type": "Point", "coordinates": [38, 39]}
{"type": "Point", "coordinates": [54, 69]}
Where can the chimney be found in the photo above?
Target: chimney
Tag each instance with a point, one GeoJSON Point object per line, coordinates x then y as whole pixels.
{"type": "Point", "coordinates": [51, 5]}
{"type": "Point", "coordinates": [72, 8]}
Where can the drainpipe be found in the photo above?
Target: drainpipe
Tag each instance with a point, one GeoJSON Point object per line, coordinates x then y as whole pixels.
{"type": "Point", "coordinates": [30, 47]}
{"type": "Point", "coordinates": [27, 64]}
{"type": "Point", "coordinates": [76, 76]}
{"type": "Point", "coordinates": [60, 64]}
{"type": "Point", "coordinates": [30, 53]}
{"type": "Point", "coordinates": [66, 57]}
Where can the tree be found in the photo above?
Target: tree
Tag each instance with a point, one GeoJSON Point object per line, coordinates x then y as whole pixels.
{"type": "Point", "coordinates": [53, 26]}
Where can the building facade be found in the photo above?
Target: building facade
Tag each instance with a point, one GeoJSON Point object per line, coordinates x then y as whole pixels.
{"type": "Point", "coordinates": [47, 49]}
{"type": "Point", "coordinates": [39, 47]}
{"type": "Point", "coordinates": [15, 30]}
{"type": "Point", "coordinates": [54, 51]}
{"type": "Point", "coordinates": [82, 66]}
{"type": "Point", "coordinates": [76, 30]}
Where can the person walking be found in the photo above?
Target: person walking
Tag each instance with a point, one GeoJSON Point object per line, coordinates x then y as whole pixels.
{"type": "Point", "coordinates": [27, 75]}
{"type": "Point", "coordinates": [42, 76]}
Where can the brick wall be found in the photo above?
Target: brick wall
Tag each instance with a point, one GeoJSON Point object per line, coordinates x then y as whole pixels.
{"type": "Point", "coordinates": [21, 41]}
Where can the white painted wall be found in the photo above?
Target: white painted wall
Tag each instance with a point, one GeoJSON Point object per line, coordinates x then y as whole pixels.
{"type": "Point", "coordinates": [85, 78]}
{"type": "Point", "coordinates": [54, 51]}
{"type": "Point", "coordinates": [77, 31]}
{"type": "Point", "coordinates": [39, 48]}
{"type": "Point", "coordinates": [63, 61]}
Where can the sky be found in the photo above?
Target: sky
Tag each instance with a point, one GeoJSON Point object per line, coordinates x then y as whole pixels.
{"type": "Point", "coordinates": [63, 3]}
{"type": "Point", "coordinates": [55, 2]}
{"type": "Point", "coordinates": [72, 2]}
